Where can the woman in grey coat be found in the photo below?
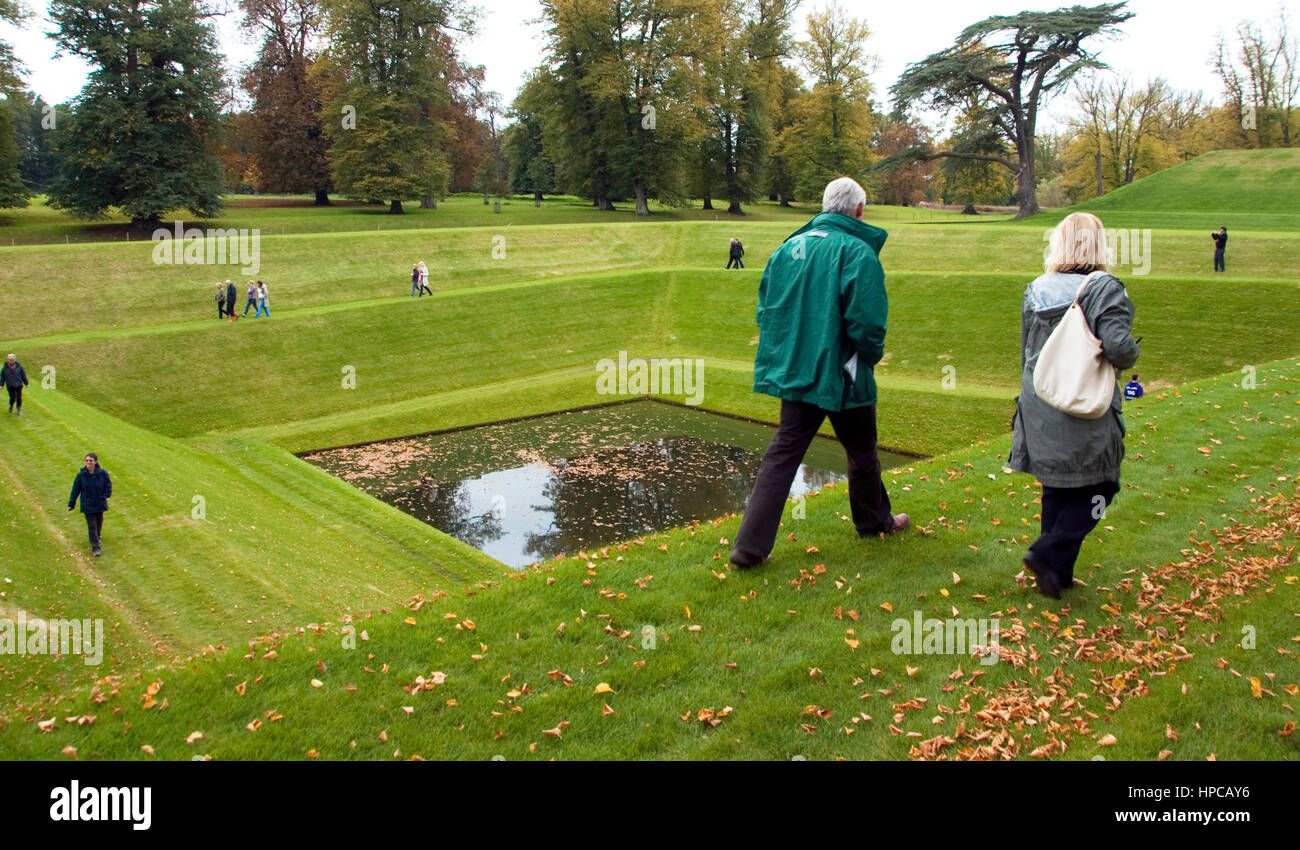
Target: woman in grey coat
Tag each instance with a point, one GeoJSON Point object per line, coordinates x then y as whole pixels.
{"type": "Point", "coordinates": [1076, 460]}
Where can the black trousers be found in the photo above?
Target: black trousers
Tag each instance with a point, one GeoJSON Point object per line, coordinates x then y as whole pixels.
{"type": "Point", "coordinates": [221, 309]}
{"type": "Point", "coordinates": [1219, 265]}
{"type": "Point", "coordinates": [1069, 515]}
{"type": "Point", "coordinates": [95, 525]}
{"type": "Point", "coordinates": [736, 261]}
{"type": "Point", "coordinates": [15, 397]}
{"type": "Point", "coordinates": [856, 429]}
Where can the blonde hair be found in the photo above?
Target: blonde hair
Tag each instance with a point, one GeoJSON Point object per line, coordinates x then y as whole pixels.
{"type": "Point", "coordinates": [1078, 244]}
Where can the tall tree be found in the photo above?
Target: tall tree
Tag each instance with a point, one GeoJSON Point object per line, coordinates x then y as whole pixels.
{"type": "Point", "coordinates": [622, 67]}
{"type": "Point", "coordinates": [906, 186]}
{"type": "Point", "coordinates": [531, 170]}
{"type": "Point", "coordinates": [1261, 80]}
{"type": "Point", "coordinates": [387, 61]}
{"type": "Point", "coordinates": [140, 133]}
{"type": "Point", "coordinates": [832, 131]}
{"type": "Point", "coordinates": [1018, 62]}
{"type": "Point", "coordinates": [13, 115]}
{"type": "Point", "coordinates": [733, 99]}
{"type": "Point", "coordinates": [286, 138]}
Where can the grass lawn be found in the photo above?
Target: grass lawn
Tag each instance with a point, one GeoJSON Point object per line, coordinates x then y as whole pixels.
{"type": "Point", "coordinates": [180, 406]}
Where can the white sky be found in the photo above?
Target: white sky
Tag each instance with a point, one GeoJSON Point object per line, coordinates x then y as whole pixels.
{"type": "Point", "coordinates": [1169, 38]}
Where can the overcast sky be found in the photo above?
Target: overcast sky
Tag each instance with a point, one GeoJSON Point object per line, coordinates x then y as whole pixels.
{"type": "Point", "coordinates": [1169, 38]}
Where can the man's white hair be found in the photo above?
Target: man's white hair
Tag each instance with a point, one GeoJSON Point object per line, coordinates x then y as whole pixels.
{"type": "Point", "coordinates": [843, 196]}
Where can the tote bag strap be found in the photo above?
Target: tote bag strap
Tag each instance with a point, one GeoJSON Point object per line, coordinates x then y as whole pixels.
{"type": "Point", "coordinates": [1089, 279]}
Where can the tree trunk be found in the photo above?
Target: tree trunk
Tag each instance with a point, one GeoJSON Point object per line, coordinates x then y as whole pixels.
{"type": "Point", "coordinates": [642, 204]}
{"type": "Point", "coordinates": [970, 210]}
{"type": "Point", "coordinates": [323, 198]}
{"type": "Point", "coordinates": [428, 202]}
{"type": "Point", "coordinates": [1101, 179]}
{"type": "Point", "coordinates": [735, 209]}
{"type": "Point", "coordinates": [395, 207]}
{"type": "Point", "coordinates": [1027, 188]}
{"type": "Point", "coordinates": [537, 198]}
{"type": "Point", "coordinates": [149, 223]}
{"type": "Point", "coordinates": [708, 203]}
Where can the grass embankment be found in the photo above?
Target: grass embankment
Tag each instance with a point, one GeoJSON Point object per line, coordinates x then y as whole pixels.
{"type": "Point", "coordinates": [800, 650]}
{"type": "Point", "coordinates": [200, 546]}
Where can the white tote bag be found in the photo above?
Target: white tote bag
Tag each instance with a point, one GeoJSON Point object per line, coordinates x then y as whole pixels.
{"type": "Point", "coordinates": [1072, 375]}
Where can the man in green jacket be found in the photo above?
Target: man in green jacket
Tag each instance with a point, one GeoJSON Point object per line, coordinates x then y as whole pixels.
{"type": "Point", "coordinates": [821, 319]}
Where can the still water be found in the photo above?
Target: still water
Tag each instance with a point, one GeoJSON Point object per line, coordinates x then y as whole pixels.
{"type": "Point", "coordinates": [527, 491]}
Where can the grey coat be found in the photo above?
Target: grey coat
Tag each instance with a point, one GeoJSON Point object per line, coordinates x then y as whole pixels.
{"type": "Point", "coordinates": [1061, 450]}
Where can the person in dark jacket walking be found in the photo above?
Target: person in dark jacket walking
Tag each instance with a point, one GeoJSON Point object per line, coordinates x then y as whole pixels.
{"type": "Point", "coordinates": [821, 317]}
{"type": "Point", "coordinates": [1076, 460]}
{"type": "Point", "coordinates": [737, 251]}
{"type": "Point", "coordinates": [1220, 249]}
{"type": "Point", "coordinates": [232, 298]}
{"type": "Point", "coordinates": [14, 378]}
{"type": "Point", "coordinates": [94, 487]}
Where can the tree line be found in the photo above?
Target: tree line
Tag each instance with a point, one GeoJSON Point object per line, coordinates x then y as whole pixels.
{"type": "Point", "coordinates": [674, 102]}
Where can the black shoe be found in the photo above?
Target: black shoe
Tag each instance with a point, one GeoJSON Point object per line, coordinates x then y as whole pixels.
{"type": "Point", "coordinates": [1049, 584]}
{"type": "Point", "coordinates": [96, 552]}
{"type": "Point", "coordinates": [746, 560]}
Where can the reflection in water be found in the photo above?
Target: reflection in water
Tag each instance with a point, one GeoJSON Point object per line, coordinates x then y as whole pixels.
{"type": "Point", "coordinates": [529, 491]}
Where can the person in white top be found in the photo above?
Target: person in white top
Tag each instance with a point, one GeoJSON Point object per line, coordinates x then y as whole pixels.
{"type": "Point", "coordinates": [261, 301]}
{"type": "Point", "coordinates": [424, 279]}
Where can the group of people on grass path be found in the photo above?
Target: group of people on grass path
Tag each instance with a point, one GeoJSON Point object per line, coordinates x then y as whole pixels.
{"type": "Point", "coordinates": [228, 300]}
{"type": "Point", "coordinates": [420, 279]}
{"type": "Point", "coordinates": [822, 317]}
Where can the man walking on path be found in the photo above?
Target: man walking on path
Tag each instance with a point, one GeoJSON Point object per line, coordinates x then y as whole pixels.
{"type": "Point", "coordinates": [1220, 246]}
{"type": "Point", "coordinates": [251, 296]}
{"type": "Point", "coordinates": [821, 316]}
{"type": "Point", "coordinates": [232, 298]}
{"type": "Point", "coordinates": [14, 378]}
{"type": "Point", "coordinates": [94, 487]}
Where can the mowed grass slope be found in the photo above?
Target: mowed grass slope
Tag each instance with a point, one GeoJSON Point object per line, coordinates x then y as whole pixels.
{"type": "Point", "coordinates": [795, 659]}
{"type": "Point", "coordinates": [201, 545]}
{"type": "Point", "coordinates": [1253, 190]}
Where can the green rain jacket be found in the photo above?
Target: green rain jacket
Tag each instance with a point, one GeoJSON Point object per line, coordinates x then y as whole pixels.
{"type": "Point", "coordinates": [822, 303]}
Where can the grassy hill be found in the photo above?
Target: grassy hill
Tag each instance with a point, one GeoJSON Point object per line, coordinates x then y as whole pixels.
{"type": "Point", "coordinates": [1251, 190]}
{"type": "Point", "coordinates": [180, 405]}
